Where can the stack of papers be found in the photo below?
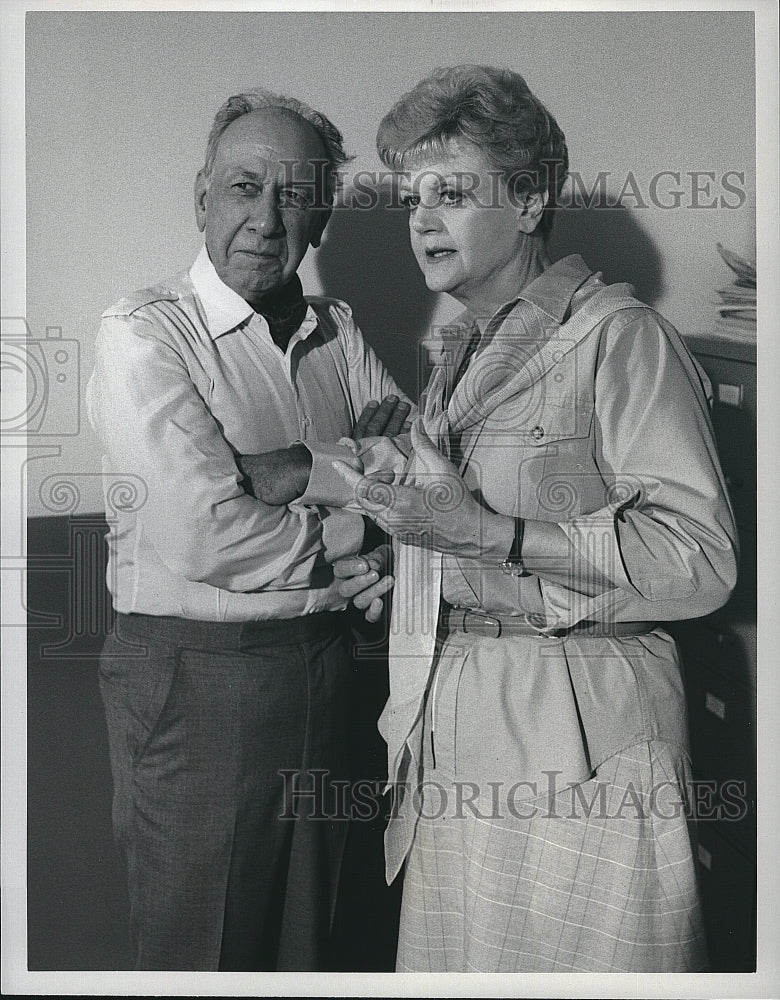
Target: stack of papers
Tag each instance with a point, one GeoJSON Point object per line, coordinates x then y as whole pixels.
{"type": "Point", "coordinates": [737, 307]}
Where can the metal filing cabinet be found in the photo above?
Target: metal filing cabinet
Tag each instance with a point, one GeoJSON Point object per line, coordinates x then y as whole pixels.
{"type": "Point", "coordinates": [719, 658]}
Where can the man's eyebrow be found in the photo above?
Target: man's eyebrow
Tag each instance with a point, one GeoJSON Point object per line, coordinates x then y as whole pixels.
{"type": "Point", "coordinates": [246, 172]}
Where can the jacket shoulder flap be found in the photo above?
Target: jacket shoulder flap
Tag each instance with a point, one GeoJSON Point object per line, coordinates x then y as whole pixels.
{"type": "Point", "coordinates": [131, 303]}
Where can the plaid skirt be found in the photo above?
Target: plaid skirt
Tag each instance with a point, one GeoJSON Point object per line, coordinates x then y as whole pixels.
{"type": "Point", "coordinates": [595, 878]}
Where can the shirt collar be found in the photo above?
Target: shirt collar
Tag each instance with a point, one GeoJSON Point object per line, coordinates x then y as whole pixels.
{"type": "Point", "coordinates": [554, 289]}
{"type": "Point", "coordinates": [552, 292]}
{"type": "Point", "coordinates": [224, 308]}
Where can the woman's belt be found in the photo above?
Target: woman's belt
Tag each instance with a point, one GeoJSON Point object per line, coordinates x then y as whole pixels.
{"type": "Point", "coordinates": [463, 620]}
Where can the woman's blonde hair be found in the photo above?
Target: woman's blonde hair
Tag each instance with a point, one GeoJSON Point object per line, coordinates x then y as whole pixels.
{"type": "Point", "coordinates": [495, 110]}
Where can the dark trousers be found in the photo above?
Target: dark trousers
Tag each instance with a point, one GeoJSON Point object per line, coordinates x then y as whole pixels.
{"type": "Point", "coordinates": [229, 867]}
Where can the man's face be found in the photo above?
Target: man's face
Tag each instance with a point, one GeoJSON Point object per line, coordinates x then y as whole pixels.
{"type": "Point", "coordinates": [257, 208]}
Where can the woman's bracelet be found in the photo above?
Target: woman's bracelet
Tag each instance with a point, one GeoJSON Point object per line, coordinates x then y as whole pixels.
{"type": "Point", "coordinates": [513, 564]}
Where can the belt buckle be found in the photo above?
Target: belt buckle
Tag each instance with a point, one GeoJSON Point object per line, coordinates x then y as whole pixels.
{"type": "Point", "coordinates": [478, 622]}
{"type": "Point", "coordinates": [541, 631]}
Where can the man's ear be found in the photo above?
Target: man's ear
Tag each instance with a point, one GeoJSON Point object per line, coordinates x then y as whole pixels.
{"type": "Point", "coordinates": [201, 188]}
{"type": "Point", "coordinates": [530, 211]}
{"type": "Point", "coordinates": [319, 226]}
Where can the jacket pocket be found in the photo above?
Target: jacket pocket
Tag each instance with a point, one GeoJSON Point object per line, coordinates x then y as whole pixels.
{"type": "Point", "coordinates": [529, 461]}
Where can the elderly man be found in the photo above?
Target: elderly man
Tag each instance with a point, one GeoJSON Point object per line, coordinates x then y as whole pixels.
{"type": "Point", "coordinates": [230, 661]}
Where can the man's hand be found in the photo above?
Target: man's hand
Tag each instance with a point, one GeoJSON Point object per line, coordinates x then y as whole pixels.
{"type": "Point", "coordinates": [385, 419]}
{"type": "Point", "coordinates": [431, 506]}
{"type": "Point", "coordinates": [365, 580]}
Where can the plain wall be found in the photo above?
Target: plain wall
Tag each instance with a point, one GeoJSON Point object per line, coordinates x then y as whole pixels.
{"type": "Point", "coordinates": [119, 106]}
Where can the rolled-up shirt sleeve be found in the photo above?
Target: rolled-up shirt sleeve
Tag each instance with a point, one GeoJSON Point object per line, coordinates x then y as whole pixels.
{"type": "Point", "coordinates": [367, 455]}
{"type": "Point", "coordinates": [154, 423]}
{"type": "Point", "coordinates": [664, 545]}
{"type": "Point", "coordinates": [326, 486]}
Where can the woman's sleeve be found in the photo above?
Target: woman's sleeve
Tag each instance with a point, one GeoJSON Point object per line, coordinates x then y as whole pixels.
{"type": "Point", "coordinates": [664, 547]}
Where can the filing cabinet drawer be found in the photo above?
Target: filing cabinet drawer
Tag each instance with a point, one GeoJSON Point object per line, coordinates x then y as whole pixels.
{"type": "Point", "coordinates": [728, 892]}
{"type": "Point", "coordinates": [722, 729]}
{"type": "Point", "coordinates": [734, 640]}
{"type": "Point", "coordinates": [734, 625]}
{"type": "Point", "coordinates": [722, 718]}
{"type": "Point", "coordinates": [719, 662]}
{"type": "Point", "coordinates": [725, 646]}
{"type": "Point", "coordinates": [726, 639]}
{"type": "Point", "coordinates": [734, 419]}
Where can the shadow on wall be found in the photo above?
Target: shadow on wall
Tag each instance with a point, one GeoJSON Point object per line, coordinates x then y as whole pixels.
{"type": "Point", "coordinates": [367, 261]}
{"type": "Point", "coordinates": [610, 240]}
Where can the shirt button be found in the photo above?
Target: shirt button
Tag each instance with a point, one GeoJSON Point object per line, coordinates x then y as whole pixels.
{"type": "Point", "coordinates": [537, 433]}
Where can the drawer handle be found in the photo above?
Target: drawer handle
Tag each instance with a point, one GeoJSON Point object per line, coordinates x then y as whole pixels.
{"type": "Point", "coordinates": [715, 705]}
{"type": "Point", "coordinates": [729, 394]}
{"type": "Point", "coordinates": [705, 858]}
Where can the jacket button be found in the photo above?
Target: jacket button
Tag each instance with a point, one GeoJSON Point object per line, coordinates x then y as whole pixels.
{"type": "Point", "coordinates": [537, 433]}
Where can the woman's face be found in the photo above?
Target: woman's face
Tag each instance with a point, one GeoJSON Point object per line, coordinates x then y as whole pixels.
{"type": "Point", "coordinates": [468, 235]}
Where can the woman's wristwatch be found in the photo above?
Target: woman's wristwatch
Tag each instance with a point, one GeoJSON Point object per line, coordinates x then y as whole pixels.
{"type": "Point", "coordinates": [513, 564]}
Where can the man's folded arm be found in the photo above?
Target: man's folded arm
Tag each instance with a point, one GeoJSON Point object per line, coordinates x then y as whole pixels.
{"type": "Point", "coordinates": [304, 472]}
{"type": "Point", "coordinates": [276, 477]}
{"type": "Point", "coordinates": [200, 519]}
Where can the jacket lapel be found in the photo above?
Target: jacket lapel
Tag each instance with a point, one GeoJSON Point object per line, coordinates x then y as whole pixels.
{"type": "Point", "coordinates": [523, 351]}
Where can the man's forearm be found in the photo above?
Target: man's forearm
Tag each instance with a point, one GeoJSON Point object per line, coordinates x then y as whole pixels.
{"type": "Point", "coordinates": [281, 476]}
{"type": "Point", "coordinates": [276, 477]}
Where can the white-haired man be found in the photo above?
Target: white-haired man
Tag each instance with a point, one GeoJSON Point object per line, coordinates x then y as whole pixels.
{"type": "Point", "coordinates": [230, 662]}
